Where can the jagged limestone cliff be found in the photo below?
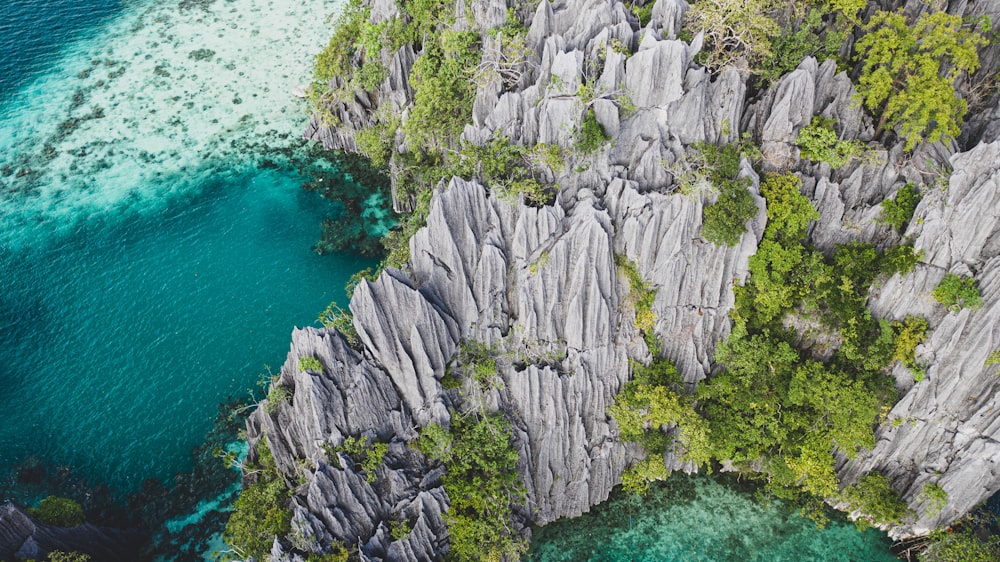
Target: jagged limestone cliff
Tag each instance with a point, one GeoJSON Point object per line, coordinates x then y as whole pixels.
{"type": "Point", "coordinates": [540, 284]}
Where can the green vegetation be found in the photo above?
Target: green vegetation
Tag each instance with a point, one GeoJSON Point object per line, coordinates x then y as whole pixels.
{"type": "Point", "coordinates": [310, 364]}
{"type": "Point", "coordinates": [819, 143]}
{"type": "Point", "coordinates": [60, 556]}
{"type": "Point", "coordinates": [261, 512]}
{"type": "Point", "coordinates": [367, 455]}
{"type": "Point", "coordinates": [957, 292]}
{"type": "Point", "coordinates": [908, 335]}
{"type": "Point", "coordinates": [947, 545]}
{"type": "Point", "coordinates": [806, 34]}
{"type": "Point", "coordinates": [61, 512]}
{"type": "Point", "coordinates": [724, 222]}
{"type": "Point", "coordinates": [910, 70]}
{"type": "Point", "coordinates": [482, 483]}
{"type": "Point", "coordinates": [592, 133]}
{"type": "Point", "coordinates": [993, 358]}
{"type": "Point", "coordinates": [478, 360]}
{"type": "Point", "coordinates": [278, 394]}
{"type": "Point", "coordinates": [641, 296]}
{"type": "Point", "coordinates": [874, 496]}
{"type": "Point", "coordinates": [775, 406]}
{"type": "Point", "coordinates": [653, 401]}
{"type": "Point", "coordinates": [441, 78]}
{"type": "Point", "coordinates": [936, 499]}
{"type": "Point", "coordinates": [339, 319]}
{"type": "Point", "coordinates": [737, 32]}
{"type": "Point", "coordinates": [898, 212]}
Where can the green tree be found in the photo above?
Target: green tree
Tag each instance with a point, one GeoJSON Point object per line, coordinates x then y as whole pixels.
{"type": "Point", "coordinates": [910, 69]}
{"type": "Point", "coordinates": [737, 32]}
{"type": "Point", "coordinates": [61, 512]}
{"type": "Point", "coordinates": [956, 293]}
{"type": "Point", "coordinates": [261, 512]}
{"type": "Point", "coordinates": [874, 496]}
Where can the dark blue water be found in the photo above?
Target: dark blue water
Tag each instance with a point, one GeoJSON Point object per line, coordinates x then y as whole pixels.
{"type": "Point", "coordinates": [33, 32]}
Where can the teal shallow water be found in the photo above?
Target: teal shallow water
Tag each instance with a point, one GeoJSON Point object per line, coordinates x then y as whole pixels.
{"type": "Point", "coordinates": [154, 238]}
{"type": "Point", "coordinates": [117, 342]}
{"type": "Point", "coordinates": [704, 519]}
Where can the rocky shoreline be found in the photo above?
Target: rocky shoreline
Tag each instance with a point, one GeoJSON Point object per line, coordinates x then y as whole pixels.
{"type": "Point", "coordinates": [539, 285]}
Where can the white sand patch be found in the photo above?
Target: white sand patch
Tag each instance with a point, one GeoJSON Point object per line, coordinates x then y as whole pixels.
{"type": "Point", "coordinates": [168, 93]}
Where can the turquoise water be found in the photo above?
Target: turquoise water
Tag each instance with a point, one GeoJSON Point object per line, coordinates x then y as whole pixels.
{"type": "Point", "coordinates": [155, 242]}
{"type": "Point", "coordinates": [701, 518]}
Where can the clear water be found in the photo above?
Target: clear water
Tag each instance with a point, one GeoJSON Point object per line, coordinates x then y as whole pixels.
{"type": "Point", "coordinates": [701, 518]}
{"type": "Point", "coordinates": [154, 255]}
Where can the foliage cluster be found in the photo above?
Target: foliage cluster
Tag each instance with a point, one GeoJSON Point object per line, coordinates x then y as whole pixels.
{"type": "Point", "coordinates": [478, 358]}
{"type": "Point", "coordinates": [947, 545]}
{"type": "Point", "coordinates": [874, 496]}
{"type": "Point", "coordinates": [806, 34]}
{"type": "Point", "coordinates": [261, 512]}
{"type": "Point", "coordinates": [592, 133]}
{"type": "Point", "coordinates": [61, 556]}
{"type": "Point", "coordinates": [367, 455]}
{"type": "Point", "coordinates": [482, 483]}
{"type": "Point", "coordinates": [910, 69]}
{"type": "Point", "coordinates": [738, 33]}
{"type": "Point", "coordinates": [307, 363]}
{"type": "Point", "coordinates": [819, 143]}
{"type": "Point", "coordinates": [641, 296]}
{"type": "Point", "coordinates": [898, 212]}
{"type": "Point", "coordinates": [775, 406]}
{"type": "Point", "coordinates": [958, 292]}
{"type": "Point", "coordinates": [507, 168]}
{"type": "Point", "coordinates": [908, 335]}
{"type": "Point", "coordinates": [649, 405]}
{"type": "Point", "coordinates": [339, 319]}
{"type": "Point", "coordinates": [724, 222]}
{"type": "Point", "coordinates": [277, 394]}
{"type": "Point", "coordinates": [935, 497]}
{"type": "Point", "coordinates": [61, 512]}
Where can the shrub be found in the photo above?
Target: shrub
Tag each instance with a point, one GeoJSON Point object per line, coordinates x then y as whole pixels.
{"type": "Point", "coordinates": [957, 292]}
{"type": "Point", "coordinates": [898, 212]}
{"type": "Point", "coordinates": [592, 133]}
{"type": "Point", "coordinates": [641, 295]}
{"type": "Point", "coordinates": [909, 334]}
{"type": "Point", "coordinates": [482, 482]}
{"type": "Point", "coordinates": [960, 546]}
{"type": "Point", "coordinates": [724, 222]}
{"type": "Point", "coordinates": [637, 477]}
{"type": "Point", "coordinates": [819, 143]}
{"type": "Point", "coordinates": [61, 512]}
{"type": "Point", "coordinates": [807, 36]}
{"type": "Point", "coordinates": [936, 499]}
{"type": "Point", "coordinates": [261, 512]}
{"type": "Point", "coordinates": [737, 32]}
{"type": "Point", "coordinates": [339, 319]}
{"type": "Point", "coordinates": [874, 496]}
{"type": "Point", "coordinates": [277, 395]}
{"type": "Point", "coordinates": [910, 70]}
{"type": "Point", "coordinates": [647, 405]}
{"type": "Point", "coordinates": [310, 364]}
{"type": "Point", "coordinates": [994, 358]}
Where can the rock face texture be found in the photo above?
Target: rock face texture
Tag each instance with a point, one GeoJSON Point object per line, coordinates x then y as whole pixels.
{"type": "Point", "coordinates": [23, 537]}
{"type": "Point", "coordinates": [540, 285]}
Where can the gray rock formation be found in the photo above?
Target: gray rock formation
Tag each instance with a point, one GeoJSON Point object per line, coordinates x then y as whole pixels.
{"type": "Point", "coordinates": [540, 285]}
{"type": "Point", "coordinates": [22, 537]}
